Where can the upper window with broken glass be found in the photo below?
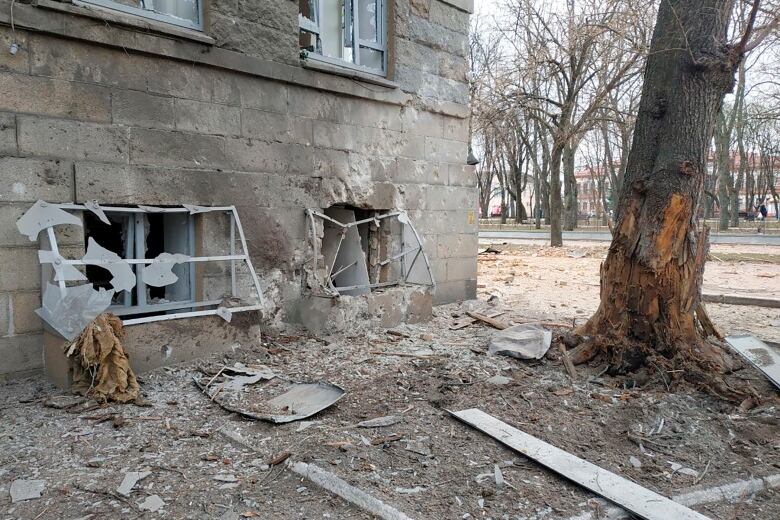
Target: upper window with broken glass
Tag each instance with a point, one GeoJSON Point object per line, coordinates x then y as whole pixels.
{"type": "Point", "coordinates": [351, 33]}
{"type": "Point", "coordinates": [185, 13]}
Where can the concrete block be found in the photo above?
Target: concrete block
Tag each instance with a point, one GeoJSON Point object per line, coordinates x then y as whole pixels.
{"type": "Point", "coordinates": [434, 35]}
{"type": "Point", "coordinates": [166, 148]}
{"type": "Point", "coordinates": [449, 292]}
{"type": "Point", "coordinates": [135, 108]}
{"type": "Point", "coordinates": [462, 175]}
{"type": "Point", "coordinates": [416, 55]}
{"type": "Point", "coordinates": [180, 80]}
{"type": "Point", "coordinates": [453, 67]}
{"type": "Point", "coordinates": [372, 167]}
{"type": "Point", "coordinates": [282, 16]}
{"type": "Point", "coordinates": [429, 85]}
{"type": "Point", "coordinates": [19, 62]}
{"type": "Point", "coordinates": [114, 184]}
{"type": "Point", "coordinates": [6, 315]}
{"type": "Point", "coordinates": [83, 62]}
{"type": "Point", "coordinates": [387, 306]}
{"type": "Point", "coordinates": [444, 150]}
{"type": "Point", "coordinates": [20, 354]}
{"type": "Point", "coordinates": [207, 118]}
{"type": "Point", "coordinates": [412, 171]}
{"type": "Point", "coordinates": [254, 39]}
{"type": "Point", "coordinates": [271, 126]}
{"type": "Point", "coordinates": [332, 163]}
{"type": "Point", "coordinates": [421, 122]}
{"type": "Point", "coordinates": [21, 270]}
{"type": "Point", "coordinates": [250, 92]}
{"type": "Point", "coordinates": [27, 180]}
{"type": "Point", "coordinates": [379, 195]}
{"type": "Point", "coordinates": [448, 16]}
{"type": "Point", "coordinates": [50, 97]}
{"type": "Point", "coordinates": [420, 8]}
{"type": "Point", "coordinates": [23, 305]}
{"type": "Point", "coordinates": [71, 139]}
{"type": "Point", "coordinates": [455, 129]}
{"type": "Point", "coordinates": [413, 195]}
{"type": "Point", "coordinates": [457, 246]}
{"type": "Point", "coordinates": [372, 114]}
{"type": "Point", "coordinates": [419, 306]}
{"type": "Point", "coordinates": [461, 268]}
{"type": "Point", "coordinates": [316, 104]}
{"type": "Point", "coordinates": [8, 134]}
{"type": "Point", "coordinates": [334, 135]}
{"type": "Point", "coordinates": [259, 156]}
{"type": "Point", "coordinates": [438, 269]}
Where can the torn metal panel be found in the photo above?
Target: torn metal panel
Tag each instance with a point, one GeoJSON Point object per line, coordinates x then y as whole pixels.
{"type": "Point", "coordinates": [193, 209]}
{"type": "Point", "coordinates": [758, 354]}
{"type": "Point", "coordinates": [152, 209]}
{"type": "Point", "coordinates": [225, 313]}
{"type": "Point", "coordinates": [159, 273]}
{"type": "Point", "coordinates": [70, 311]}
{"type": "Point", "coordinates": [633, 497]}
{"type": "Point", "coordinates": [343, 250]}
{"type": "Point", "coordinates": [43, 215]}
{"type": "Point", "coordinates": [344, 254]}
{"type": "Point", "coordinates": [63, 271]}
{"type": "Point", "coordinates": [94, 207]}
{"type": "Point", "coordinates": [303, 400]}
{"type": "Point", "coordinates": [123, 275]}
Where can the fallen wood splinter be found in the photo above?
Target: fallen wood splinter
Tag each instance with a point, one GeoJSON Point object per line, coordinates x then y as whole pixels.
{"type": "Point", "coordinates": [487, 319]}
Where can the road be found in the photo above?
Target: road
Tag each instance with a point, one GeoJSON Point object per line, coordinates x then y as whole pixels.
{"type": "Point", "coordinates": [596, 236]}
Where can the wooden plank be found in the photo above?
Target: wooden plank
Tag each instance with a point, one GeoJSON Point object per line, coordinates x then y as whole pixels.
{"type": "Point", "coordinates": [487, 319]}
{"type": "Point", "coordinates": [735, 299]}
{"type": "Point", "coordinates": [470, 321]}
{"type": "Point", "coordinates": [758, 354]}
{"type": "Point", "coordinates": [633, 497]}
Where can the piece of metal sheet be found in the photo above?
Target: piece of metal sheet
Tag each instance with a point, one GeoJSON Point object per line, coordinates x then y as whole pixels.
{"type": "Point", "coordinates": [42, 215]}
{"type": "Point", "coordinates": [344, 255]}
{"type": "Point", "coordinates": [69, 312]}
{"type": "Point", "coordinates": [758, 354]}
{"type": "Point", "coordinates": [94, 207]}
{"type": "Point", "coordinates": [633, 497]}
{"type": "Point", "coordinates": [123, 275]}
{"type": "Point", "coordinates": [304, 400]}
{"type": "Point", "coordinates": [160, 272]}
{"type": "Point", "coordinates": [193, 209]}
{"type": "Point", "coordinates": [62, 271]}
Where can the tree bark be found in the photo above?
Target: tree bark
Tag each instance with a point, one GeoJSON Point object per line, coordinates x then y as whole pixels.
{"type": "Point", "coordinates": [651, 278]}
{"type": "Point", "coordinates": [571, 208]}
{"type": "Point", "coordinates": [556, 205]}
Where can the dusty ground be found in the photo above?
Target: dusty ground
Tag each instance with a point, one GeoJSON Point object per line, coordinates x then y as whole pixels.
{"type": "Point", "coordinates": [438, 468]}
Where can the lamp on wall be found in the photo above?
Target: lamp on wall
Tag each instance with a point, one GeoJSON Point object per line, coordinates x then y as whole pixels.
{"type": "Point", "coordinates": [471, 160]}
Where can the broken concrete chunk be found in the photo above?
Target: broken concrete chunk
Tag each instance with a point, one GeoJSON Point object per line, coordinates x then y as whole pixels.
{"type": "Point", "coordinates": [152, 503]}
{"type": "Point", "coordinates": [43, 215]}
{"type": "Point", "coordinates": [521, 341]}
{"type": "Point", "coordinates": [26, 490]}
{"type": "Point", "coordinates": [635, 462]}
{"type": "Point", "coordinates": [160, 272]}
{"type": "Point", "coordinates": [499, 380]}
{"type": "Point", "coordinates": [679, 468]}
{"type": "Point", "coordinates": [130, 480]}
{"type": "Point", "coordinates": [123, 275]}
{"type": "Point", "coordinates": [94, 207]}
{"type": "Point", "coordinates": [379, 422]}
{"type": "Point", "coordinates": [71, 312]}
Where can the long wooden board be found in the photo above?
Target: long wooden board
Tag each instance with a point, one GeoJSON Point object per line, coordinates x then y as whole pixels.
{"type": "Point", "coordinates": [633, 497]}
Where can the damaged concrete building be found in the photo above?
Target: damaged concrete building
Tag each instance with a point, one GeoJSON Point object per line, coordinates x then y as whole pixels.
{"type": "Point", "coordinates": [336, 130]}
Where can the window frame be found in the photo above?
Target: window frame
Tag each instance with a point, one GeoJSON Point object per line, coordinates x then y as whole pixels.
{"type": "Point", "coordinates": [313, 27]}
{"type": "Point", "coordinates": [148, 13]}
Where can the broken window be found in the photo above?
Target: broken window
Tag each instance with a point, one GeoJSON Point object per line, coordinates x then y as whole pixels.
{"type": "Point", "coordinates": [358, 250]}
{"type": "Point", "coordinates": [186, 13]}
{"type": "Point", "coordinates": [143, 264]}
{"type": "Point", "coordinates": [351, 33]}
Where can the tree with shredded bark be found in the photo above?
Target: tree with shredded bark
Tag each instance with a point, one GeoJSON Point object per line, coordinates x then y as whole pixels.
{"type": "Point", "coordinates": [650, 313]}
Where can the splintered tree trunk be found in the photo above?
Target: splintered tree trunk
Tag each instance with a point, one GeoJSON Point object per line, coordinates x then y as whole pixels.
{"type": "Point", "coordinates": [651, 278]}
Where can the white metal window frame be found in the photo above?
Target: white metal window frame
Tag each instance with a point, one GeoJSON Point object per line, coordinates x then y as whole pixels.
{"type": "Point", "coordinates": [235, 225]}
{"type": "Point", "coordinates": [312, 26]}
{"type": "Point", "coordinates": [327, 286]}
{"type": "Point", "coordinates": [148, 12]}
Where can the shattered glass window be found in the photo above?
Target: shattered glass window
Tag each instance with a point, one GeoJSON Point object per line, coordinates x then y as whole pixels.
{"type": "Point", "coordinates": [350, 33]}
{"type": "Point", "coordinates": [186, 13]}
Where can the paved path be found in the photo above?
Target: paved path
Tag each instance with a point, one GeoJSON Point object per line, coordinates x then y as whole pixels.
{"type": "Point", "coordinates": [604, 236]}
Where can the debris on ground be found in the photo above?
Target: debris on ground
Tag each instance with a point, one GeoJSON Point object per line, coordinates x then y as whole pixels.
{"type": "Point", "coordinates": [129, 481]}
{"type": "Point", "coordinates": [26, 490]}
{"type": "Point", "coordinates": [521, 341]}
{"type": "Point", "coordinates": [380, 422]}
{"type": "Point", "coordinates": [758, 354]}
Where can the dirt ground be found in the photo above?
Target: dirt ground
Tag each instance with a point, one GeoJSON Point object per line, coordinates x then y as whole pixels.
{"type": "Point", "coordinates": [427, 465]}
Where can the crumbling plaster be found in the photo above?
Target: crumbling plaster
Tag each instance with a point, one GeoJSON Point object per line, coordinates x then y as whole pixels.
{"type": "Point", "coordinates": [137, 114]}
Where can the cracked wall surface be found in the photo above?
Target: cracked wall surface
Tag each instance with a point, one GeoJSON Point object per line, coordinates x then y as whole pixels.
{"type": "Point", "coordinates": [130, 116]}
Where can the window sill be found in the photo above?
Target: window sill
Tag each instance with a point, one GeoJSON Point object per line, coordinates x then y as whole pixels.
{"type": "Point", "coordinates": [128, 20]}
{"type": "Point", "coordinates": [312, 63]}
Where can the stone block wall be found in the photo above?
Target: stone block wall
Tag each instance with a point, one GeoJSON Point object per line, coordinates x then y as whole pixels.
{"type": "Point", "coordinates": [137, 116]}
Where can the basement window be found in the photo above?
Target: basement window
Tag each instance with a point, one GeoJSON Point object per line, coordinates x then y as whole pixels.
{"type": "Point", "coordinates": [144, 236]}
{"type": "Point", "coordinates": [358, 250]}
{"type": "Point", "coordinates": [350, 33]}
{"type": "Point", "coordinates": [184, 13]}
